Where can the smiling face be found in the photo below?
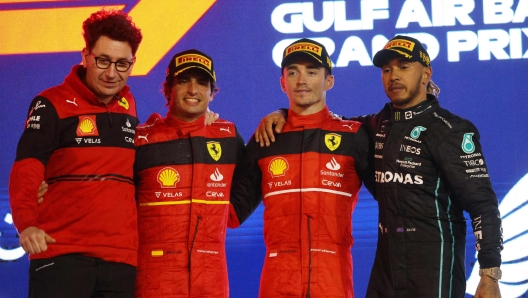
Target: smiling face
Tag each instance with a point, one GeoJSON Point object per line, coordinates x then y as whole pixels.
{"type": "Point", "coordinates": [405, 82]}
{"type": "Point", "coordinates": [190, 95]}
{"type": "Point", "coordinates": [305, 83]}
{"type": "Point", "coordinates": [105, 83]}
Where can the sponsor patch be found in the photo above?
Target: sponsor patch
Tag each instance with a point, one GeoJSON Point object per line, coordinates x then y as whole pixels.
{"type": "Point", "coordinates": [306, 47]}
{"type": "Point", "coordinates": [387, 177]}
{"type": "Point", "coordinates": [415, 133]}
{"type": "Point", "coordinates": [215, 150]}
{"type": "Point", "coordinates": [194, 58]}
{"type": "Point", "coordinates": [38, 105]}
{"type": "Point", "coordinates": [332, 141]}
{"type": "Point", "coordinates": [333, 165]}
{"type": "Point", "coordinates": [467, 143]}
{"type": "Point", "coordinates": [87, 126]}
{"type": "Point", "coordinates": [157, 253]}
{"type": "Point", "coordinates": [216, 176]}
{"type": "Point", "coordinates": [278, 167]}
{"type": "Point", "coordinates": [168, 177]}
{"type": "Point", "coordinates": [123, 102]}
{"type": "Point", "coordinates": [400, 43]}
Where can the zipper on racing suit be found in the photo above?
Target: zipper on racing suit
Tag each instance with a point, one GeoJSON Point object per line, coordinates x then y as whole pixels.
{"type": "Point", "coordinates": [190, 251]}
{"type": "Point", "coordinates": [309, 256]}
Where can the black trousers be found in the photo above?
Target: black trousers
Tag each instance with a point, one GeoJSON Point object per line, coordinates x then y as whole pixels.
{"type": "Point", "coordinates": [80, 276]}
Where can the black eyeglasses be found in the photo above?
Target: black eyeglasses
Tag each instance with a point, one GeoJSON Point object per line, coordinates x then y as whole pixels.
{"type": "Point", "coordinates": [104, 63]}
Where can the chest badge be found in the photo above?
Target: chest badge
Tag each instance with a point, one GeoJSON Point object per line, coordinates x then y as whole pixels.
{"type": "Point", "coordinates": [467, 143]}
{"type": "Point", "coordinates": [123, 102]}
{"type": "Point", "coordinates": [278, 167]}
{"type": "Point", "coordinates": [215, 150]}
{"type": "Point", "coordinates": [87, 126]}
{"type": "Point", "coordinates": [168, 177]}
{"type": "Point", "coordinates": [332, 141]}
{"type": "Point", "coordinates": [415, 133]}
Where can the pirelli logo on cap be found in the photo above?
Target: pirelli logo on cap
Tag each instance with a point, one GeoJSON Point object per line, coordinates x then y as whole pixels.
{"type": "Point", "coordinates": [194, 58]}
{"type": "Point", "coordinates": [305, 47]}
{"type": "Point", "coordinates": [400, 43]}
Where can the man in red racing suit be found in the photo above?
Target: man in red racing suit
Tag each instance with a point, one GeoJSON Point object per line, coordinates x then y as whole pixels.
{"type": "Point", "coordinates": [309, 181]}
{"type": "Point", "coordinates": [184, 171]}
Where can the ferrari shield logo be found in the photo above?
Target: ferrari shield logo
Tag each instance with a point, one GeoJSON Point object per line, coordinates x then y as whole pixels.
{"type": "Point", "coordinates": [215, 150]}
{"type": "Point", "coordinates": [332, 141]}
{"type": "Point", "coordinates": [124, 103]}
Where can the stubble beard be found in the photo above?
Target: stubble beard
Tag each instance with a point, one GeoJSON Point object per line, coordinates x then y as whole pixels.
{"type": "Point", "coordinates": [398, 102]}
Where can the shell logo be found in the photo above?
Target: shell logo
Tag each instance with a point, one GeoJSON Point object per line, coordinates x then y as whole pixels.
{"type": "Point", "coordinates": [168, 177]}
{"type": "Point", "coordinates": [278, 167]}
{"type": "Point", "coordinates": [87, 126]}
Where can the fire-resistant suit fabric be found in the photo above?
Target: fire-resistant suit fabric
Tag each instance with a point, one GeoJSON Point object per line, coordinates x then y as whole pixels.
{"type": "Point", "coordinates": [429, 169]}
{"type": "Point", "coordinates": [184, 173]}
{"type": "Point", "coordinates": [309, 181]}
{"type": "Point", "coordinates": [84, 150]}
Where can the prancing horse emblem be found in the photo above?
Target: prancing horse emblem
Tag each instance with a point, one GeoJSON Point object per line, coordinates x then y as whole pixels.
{"type": "Point", "coordinates": [215, 150]}
{"type": "Point", "coordinates": [332, 141]}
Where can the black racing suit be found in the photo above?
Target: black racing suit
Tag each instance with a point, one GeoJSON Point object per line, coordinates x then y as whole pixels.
{"type": "Point", "coordinates": [429, 168]}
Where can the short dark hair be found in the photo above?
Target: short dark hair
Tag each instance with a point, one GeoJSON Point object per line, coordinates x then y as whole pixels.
{"type": "Point", "coordinates": [167, 87]}
{"type": "Point", "coordinates": [115, 24]}
{"type": "Point", "coordinates": [327, 72]}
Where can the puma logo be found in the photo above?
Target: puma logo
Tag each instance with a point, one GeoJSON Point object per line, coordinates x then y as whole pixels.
{"type": "Point", "coordinates": [72, 102]}
{"type": "Point", "coordinates": [225, 129]}
{"type": "Point", "coordinates": [144, 137]}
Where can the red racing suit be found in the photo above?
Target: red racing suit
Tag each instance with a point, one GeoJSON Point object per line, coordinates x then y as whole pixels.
{"type": "Point", "coordinates": [309, 180]}
{"type": "Point", "coordinates": [184, 173]}
{"type": "Point", "coordinates": [84, 149]}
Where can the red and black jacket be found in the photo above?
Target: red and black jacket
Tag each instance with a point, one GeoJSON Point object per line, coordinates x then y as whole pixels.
{"type": "Point", "coordinates": [84, 149]}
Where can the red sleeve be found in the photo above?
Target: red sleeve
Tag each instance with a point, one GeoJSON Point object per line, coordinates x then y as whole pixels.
{"type": "Point", "coordinates": [24, 182]}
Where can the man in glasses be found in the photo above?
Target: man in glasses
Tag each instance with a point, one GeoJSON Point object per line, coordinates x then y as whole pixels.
{"type": "Point", "coordinates": [79, 137]}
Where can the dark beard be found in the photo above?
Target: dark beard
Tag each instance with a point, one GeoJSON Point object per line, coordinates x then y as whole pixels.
{"type": "Point", "coordinates": [413, 93]}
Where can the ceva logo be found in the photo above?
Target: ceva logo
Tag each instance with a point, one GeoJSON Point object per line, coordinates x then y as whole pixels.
{"type": "Point", "coordinates": [162, 23]}
{"type": "Point", "coordinates": [514, 211]}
